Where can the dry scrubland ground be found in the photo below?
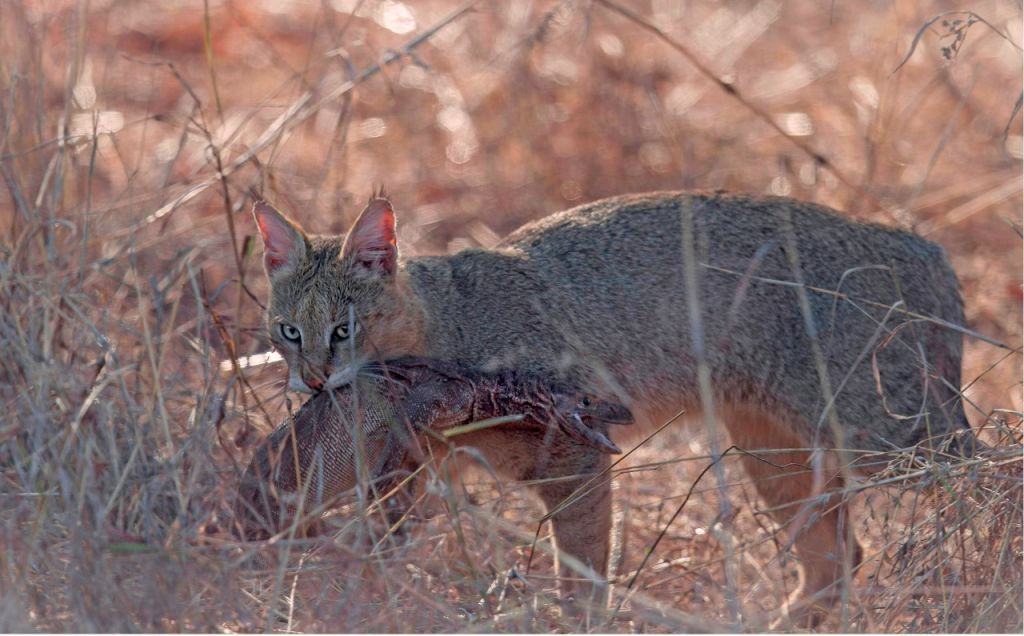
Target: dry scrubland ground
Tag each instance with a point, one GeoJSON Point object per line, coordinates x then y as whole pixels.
{"type": "Point", "coordinates": [128, 273]}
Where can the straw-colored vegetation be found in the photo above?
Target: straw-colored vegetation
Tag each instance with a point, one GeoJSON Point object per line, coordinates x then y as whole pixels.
{"type": "Point", "coordinates": [132, 132]}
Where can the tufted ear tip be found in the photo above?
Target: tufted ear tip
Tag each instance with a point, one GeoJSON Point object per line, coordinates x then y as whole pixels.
{"type": "Point", "coordinates": [371, 243]}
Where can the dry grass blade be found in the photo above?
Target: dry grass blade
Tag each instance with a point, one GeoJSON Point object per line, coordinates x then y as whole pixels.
{"type": "Point", "coordinates": [731, 90]}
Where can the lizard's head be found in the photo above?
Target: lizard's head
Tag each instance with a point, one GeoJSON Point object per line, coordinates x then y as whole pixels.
{"type": "Point", "coordinates": [586, 417]}
{"type": "Point", "coordinates": [335, 301]}
{"type": "Point", "coordinates": [590, 408]}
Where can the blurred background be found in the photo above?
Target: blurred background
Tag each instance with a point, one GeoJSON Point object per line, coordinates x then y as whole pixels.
{"type": "Point", "coordinates": [133, 131]}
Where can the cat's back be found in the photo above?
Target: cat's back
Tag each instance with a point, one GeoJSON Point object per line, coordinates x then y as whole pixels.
{"type": "Point", "coordinates": [604, 286]}
{"type": "Point", "coordinates": [723, 219]}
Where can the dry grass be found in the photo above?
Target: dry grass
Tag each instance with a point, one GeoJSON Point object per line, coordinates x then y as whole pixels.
{"type": "Point", "coordinates": [132, 132]}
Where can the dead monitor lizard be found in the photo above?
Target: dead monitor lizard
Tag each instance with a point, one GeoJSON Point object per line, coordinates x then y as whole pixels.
{"type": "Point", "coordinates": [547, 429]}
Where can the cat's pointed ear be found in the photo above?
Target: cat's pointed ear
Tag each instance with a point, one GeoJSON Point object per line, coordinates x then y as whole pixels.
{"type": "Point", "coordinates": [370, 243]}
{"type": "Point", "coordinates": [284, 242]}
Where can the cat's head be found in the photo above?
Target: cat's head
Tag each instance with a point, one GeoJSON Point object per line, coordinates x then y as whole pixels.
{"type": "Point", "coordinates": [335, 301]}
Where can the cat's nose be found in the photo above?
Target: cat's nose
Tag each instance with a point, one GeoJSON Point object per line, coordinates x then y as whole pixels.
{"type": "Point", "coordinates": [314, 383]}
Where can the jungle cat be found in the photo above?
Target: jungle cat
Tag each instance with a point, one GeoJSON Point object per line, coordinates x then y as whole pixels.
{"type": "Point", "coordinates": [813, 331]}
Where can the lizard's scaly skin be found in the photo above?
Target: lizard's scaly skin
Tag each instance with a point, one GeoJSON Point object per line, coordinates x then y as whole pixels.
{"type": "Point", "coordinates": [391, 402]}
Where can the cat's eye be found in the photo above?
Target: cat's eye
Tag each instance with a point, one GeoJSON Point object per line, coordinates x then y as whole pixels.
{"type": "Point", "coordinates": [290, 332]}
{"type": "Point", "coordinates": [342, 331]}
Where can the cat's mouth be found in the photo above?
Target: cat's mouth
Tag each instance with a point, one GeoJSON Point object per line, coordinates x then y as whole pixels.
{"type": "Point", "coordinates": [337, 379]}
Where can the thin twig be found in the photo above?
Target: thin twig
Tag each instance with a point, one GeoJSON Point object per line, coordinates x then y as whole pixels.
{"type": "Point", "coordinates": [301, 110]}
{"type": "Point", "coordinates": [758, 112]}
